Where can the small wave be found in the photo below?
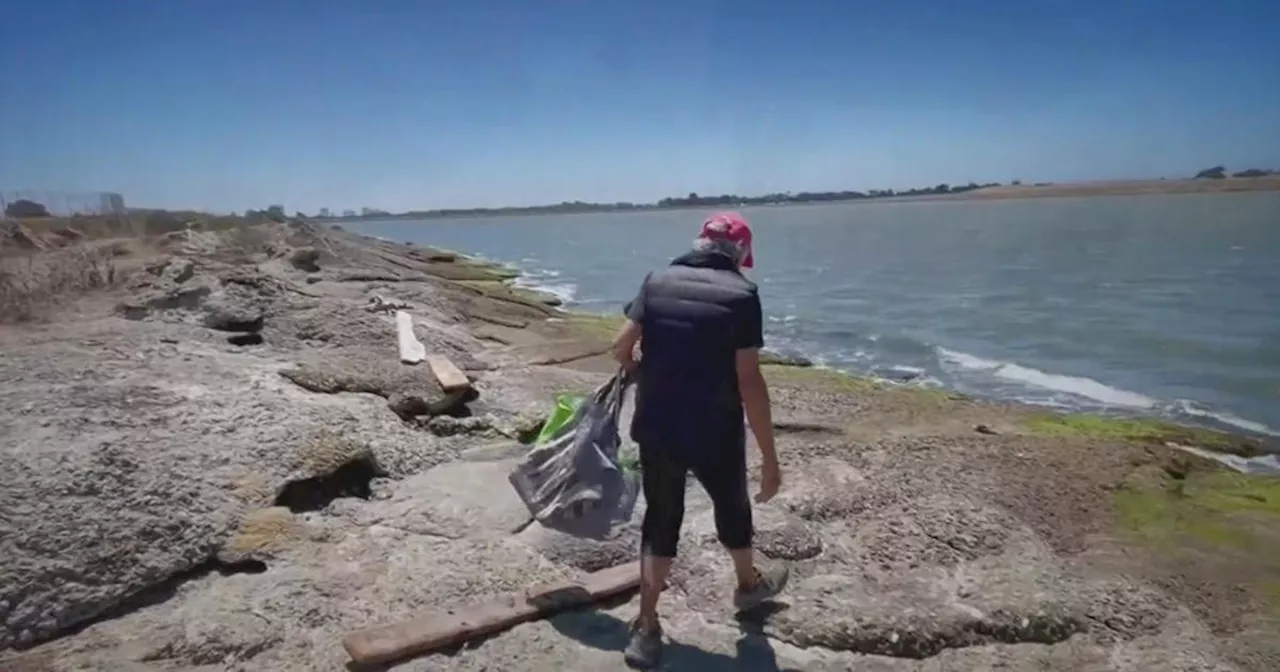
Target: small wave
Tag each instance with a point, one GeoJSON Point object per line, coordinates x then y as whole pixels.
{"type": "Point", "coordinates": [1266, 464]}
{"type": "Point", "coordinates": [539, 273]}
{"type": "Point", "coordinates": [1042, 401]}
{"type": "Point", "coordinates": [1102, 394]}
{"type": "Point", "coordinates": [928, 381]}
{"type": "Point", "coordinates": [565, 291]}
{"type": "Point", "coordinates": [1190, 408]}
{"type": "Point", "coordinates": [1078, 386]}
{"type": "Point", "coordinates": [595, 302]}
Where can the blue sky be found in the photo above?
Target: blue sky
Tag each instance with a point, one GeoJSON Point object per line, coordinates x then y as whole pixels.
{"type": "Point", "coordinates": [402, 104]}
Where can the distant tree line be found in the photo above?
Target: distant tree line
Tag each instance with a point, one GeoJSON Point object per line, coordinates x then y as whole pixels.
{"type": "Point", "coordinates": [693, 200]}
{"type": "Point", "coordinates": [29, 209]}
{"type": "Point", "coordinates": [1220, 173]}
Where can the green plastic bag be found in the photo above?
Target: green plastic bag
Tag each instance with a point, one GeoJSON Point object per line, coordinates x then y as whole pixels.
{"type": "Point", "coordinates": [566, 405]}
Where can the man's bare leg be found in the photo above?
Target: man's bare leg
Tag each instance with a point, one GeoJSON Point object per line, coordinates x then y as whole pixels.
{"type": "Point", "coordinates": [744, 567]}
{"type": "Point", "coordinates": [756, 583]}
{"type": "Point", "coordinates": [664, 482]}
{"type": "Point", "coordinates": [653, 576]}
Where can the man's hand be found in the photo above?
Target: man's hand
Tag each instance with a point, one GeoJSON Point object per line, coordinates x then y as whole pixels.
{"type": "Point", "coordinates": [770, 481]}
{"type": "Point", "coordinates": [624, 345]}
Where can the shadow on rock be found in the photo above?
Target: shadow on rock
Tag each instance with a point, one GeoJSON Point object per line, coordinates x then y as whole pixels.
{"type": "Point", "coordinates": [605, 632]}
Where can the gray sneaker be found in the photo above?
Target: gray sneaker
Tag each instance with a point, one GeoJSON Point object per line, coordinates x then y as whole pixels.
{"type": "Point", "coordinates": [770, 580]}
{"type": "Point", "coordinates": [644, 651]}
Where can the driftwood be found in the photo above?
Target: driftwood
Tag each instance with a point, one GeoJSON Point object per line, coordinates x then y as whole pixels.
{"type": "Point", "coordinates": [451, 378]}
{"type": "Point", "coordinates": [411, 349]}
{"type": "Point", "coordinates": [450, 627]}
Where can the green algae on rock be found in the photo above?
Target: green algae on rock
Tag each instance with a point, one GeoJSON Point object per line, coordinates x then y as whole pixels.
{"type": "Point", "coordinates": [594, 325]}
{"type": "Point", "coordinates": [1212, 505]}
{"type": "Point", "coordinates": [1212, 529]}
{"type": "Point", "coordinates": [1139, 430]}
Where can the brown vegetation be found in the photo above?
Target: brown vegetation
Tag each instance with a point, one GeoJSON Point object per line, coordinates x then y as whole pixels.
{"type": "Point", "coordinates": [32, 282]}
{"type": "Point", "coordinates": [47, 261]}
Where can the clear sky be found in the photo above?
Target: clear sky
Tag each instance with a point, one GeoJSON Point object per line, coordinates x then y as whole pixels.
{"type": "Point", "coordinates": [400, 104]}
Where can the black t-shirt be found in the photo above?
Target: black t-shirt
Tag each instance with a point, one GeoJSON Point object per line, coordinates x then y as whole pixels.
{"type": "Point", "coordinates": [694, 316]}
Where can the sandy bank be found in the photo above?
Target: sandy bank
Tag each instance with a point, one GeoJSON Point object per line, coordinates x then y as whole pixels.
{"type": "Point", "coordinates": [1118, 188]}
{"type": "Point", "coordinates": [216, 462]}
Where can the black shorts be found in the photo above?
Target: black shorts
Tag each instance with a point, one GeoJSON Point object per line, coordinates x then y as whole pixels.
{"type": "Point", "coordinates": [722, 471]}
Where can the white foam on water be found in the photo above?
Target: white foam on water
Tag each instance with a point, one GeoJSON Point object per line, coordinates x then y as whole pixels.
{"type": "Point", "coordinates": [928, 381]}
{"type": "Point", "coordinates": [1092, 390]}
{"type": "Point", "coordinates": [1266, 464]}
{"type": "Point", "coordinates": [539, 273]}
{"type": "Point", "coordinates": [1191, 408]}
{"type": "Point", "coordinates": [565, 291]}
{"type": "Point", "coordinates": [1079, 386]}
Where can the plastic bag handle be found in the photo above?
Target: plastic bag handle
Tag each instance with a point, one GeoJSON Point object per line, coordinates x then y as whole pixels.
{"type": "Point", "coordinates": [611, 393]}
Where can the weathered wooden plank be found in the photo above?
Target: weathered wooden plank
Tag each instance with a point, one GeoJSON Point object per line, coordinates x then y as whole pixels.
{"type": "Point", "coordinates": [411, 349]}
{"type": "Point", "coordinates": [450, 376]}
{"type": "Point", "coordinates": [450, 627]}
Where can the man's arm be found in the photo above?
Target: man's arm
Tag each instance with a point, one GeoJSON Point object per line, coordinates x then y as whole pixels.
{"type": "Point", "coordinates": [749, 334]}
{"type": "Point", "coordinates": [624, 343]}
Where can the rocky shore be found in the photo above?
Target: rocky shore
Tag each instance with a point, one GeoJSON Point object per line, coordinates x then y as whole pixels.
{"type": "Point", "coordinates": [216, 461]}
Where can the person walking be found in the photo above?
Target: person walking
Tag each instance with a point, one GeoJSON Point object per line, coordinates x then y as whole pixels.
{"type": "Point", "coordinates": [699, 326]}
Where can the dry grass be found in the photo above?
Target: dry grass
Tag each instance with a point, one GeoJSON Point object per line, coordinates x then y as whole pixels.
{"type": "Point", "coordinates": [82, 226]}
{"type": "Point", "coordinates": [137, 224]}
{"type": "Point", "coordinates": [261, 534]}
{"type": "Point", "coordinates": [32, 284]}
{"type": "Point", "coordinates": [325, 451]}
{"type": "Point", "coordinates": [252, 488]}
{"type": "Point", "coordinates": [241, 243]}
{"type": "Point", "coordinates": [335, 379]}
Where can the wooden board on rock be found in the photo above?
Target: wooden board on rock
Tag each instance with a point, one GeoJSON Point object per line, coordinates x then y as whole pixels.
{"type": "Point", "coordinates": [411, 349]}
{"type": "Point", "coordinates": [450, 376]}
{"type": "Point", "coordinates": [450, 627]}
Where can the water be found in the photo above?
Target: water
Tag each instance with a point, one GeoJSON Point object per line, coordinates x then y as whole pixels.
{"type": "Point", "coordinates": [1166, 305]}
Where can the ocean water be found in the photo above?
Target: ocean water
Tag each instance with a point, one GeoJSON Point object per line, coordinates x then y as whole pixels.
{"type": "Point", "coordinates": [1159, 305]}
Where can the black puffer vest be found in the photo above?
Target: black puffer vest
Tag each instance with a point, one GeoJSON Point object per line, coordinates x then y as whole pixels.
{"type": "Point", "coordinates": [687, 392]}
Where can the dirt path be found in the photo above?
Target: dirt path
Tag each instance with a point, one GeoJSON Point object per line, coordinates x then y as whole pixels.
{"type": "Point", "coordinates": [219, 464]}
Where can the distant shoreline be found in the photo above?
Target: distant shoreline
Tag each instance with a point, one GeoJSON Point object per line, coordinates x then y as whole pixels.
{"type": "Point", "coordinates": [1127, 188]}
{"type": "Point", "coordinates": [1228, 185]}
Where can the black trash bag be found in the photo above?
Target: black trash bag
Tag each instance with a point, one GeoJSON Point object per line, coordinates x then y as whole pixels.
{"type": "Point", "coordinates": [573, 481]}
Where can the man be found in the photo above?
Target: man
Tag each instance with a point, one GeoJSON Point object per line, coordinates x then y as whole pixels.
{"type": "Point", "coordinates": [702, 329]}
